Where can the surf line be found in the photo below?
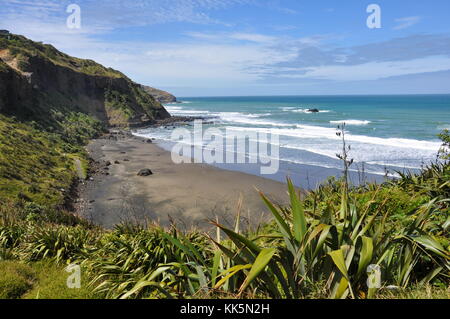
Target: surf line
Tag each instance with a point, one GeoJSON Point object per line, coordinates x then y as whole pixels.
{"type": "Point", "coordinates": [228, 146]}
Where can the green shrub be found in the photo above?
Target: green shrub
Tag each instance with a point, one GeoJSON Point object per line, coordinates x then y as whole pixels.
{"type": "Point", "coordinates": [335, 245]}
{"type": "Point", "coordinates": [132, 254]}
{"type": "Point", "coordinates": [60, 243]}
{"type": "Point", "coordinates": [445, 150]}
{"type": "Point", "coordinates": [15, 280]}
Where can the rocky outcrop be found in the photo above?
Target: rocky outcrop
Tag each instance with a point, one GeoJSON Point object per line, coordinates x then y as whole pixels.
{"type": "Point", "coordinates": [36, 80]}
{"type": "Point", "coordinates": [145, 172]}
{"type": "Point", "coordinates": [160, 95]}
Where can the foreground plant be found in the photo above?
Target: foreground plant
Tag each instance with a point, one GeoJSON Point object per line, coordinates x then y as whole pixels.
{"type": "Point", "coordinates": [336, 247]}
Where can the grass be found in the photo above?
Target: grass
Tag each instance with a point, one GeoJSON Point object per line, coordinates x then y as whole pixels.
{"type": "Point", "coordinates": [25, 48]}
{"type": "Point", "coordinates": [51, 283]}
{"type": "Point", "coordinates": [38, 166]}
{"type": "Point", "coordinates": [33, 166]}
{"type": "Point", "coordinates": [313, 249]}
{"type": "Point", "coordinates": [16, 279]}
{"type": "Point", "coordinates": [318, 246]}
{"type": "Point", "coordinates": [416, 292]}
{"type": "Point", "coordinates": [41, 280]}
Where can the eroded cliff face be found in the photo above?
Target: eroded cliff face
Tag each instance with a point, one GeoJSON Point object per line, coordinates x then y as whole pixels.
{"type": "Point", "coordinates": [37, 79]}
{"type": "Point", "coordinates": [15, 90]}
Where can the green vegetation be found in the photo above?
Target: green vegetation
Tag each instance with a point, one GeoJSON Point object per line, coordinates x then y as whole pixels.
{"type": "Point", "coordinates": [320, 246]}
{"type": "Point", "coordinates": [41, 280]}
{"type": "Point", "coordinates": [116, 101]}
{"type": "Point", "coordinates": [51, 283]}
{"type": "Point", "coordinates": [23, 49]}
{"type": "Point", "coordinates": [37, 167]}
{"type": "Point", "coordinates": [33, 167]}
{"type": "Point", "coordinates": [444, 153]}
{"type": "Point", "coordinates": [15, 280]}
{"type": "Point", "coordinates": [39, 83]}
{"type": "Point", "coordinates": [3, 66]}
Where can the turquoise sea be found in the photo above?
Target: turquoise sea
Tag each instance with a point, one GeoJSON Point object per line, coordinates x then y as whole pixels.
{"type": "Point", "coordinates": [386, 133]}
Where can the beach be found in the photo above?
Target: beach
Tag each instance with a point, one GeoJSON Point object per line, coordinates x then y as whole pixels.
{"type": "Point", "coordinates": [189, 195]}
{"type": "Point", "coordinates": [386, 133]}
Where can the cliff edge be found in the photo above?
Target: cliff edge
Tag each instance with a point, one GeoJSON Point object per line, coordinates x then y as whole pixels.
{"type": "Point", "coordinates": [37, 81]}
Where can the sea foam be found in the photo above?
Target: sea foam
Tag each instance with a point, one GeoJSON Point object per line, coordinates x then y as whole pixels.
{"type": "Point", "coordinates": [351, 122]}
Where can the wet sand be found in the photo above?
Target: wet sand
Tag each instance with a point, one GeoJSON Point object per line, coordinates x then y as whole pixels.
{"type": "Point", "coordinates": [187, 194]}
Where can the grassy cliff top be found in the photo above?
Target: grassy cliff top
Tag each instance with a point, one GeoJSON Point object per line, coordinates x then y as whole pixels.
{"type": "Point", "coordinates": [36, 79]}
{"type": "Point", "coordinates": [20, 46]}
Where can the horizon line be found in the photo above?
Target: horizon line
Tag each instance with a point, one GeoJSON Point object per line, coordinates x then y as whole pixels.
{"type": "Point", "coordinates": [309, 95]}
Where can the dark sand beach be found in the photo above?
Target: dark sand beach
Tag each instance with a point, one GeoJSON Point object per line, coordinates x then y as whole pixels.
{"type": "Point", "coordinates": [187, 194]}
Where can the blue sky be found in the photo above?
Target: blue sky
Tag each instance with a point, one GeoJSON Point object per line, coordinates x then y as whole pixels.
{"type": "Point", "coordinates": [252, 47]}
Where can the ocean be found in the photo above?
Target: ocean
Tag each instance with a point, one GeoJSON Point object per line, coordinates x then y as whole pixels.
{"type": "Point", "coordinates": [386, 133]}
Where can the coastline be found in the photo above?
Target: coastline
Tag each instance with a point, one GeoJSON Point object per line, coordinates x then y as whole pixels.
{"type": "Point", "coordinates": [188, 195]}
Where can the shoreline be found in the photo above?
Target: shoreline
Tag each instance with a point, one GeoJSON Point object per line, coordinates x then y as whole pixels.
{"type": "Point", "coordinates": [189, 195]}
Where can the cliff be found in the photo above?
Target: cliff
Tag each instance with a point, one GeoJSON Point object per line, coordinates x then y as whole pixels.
{"type": "Point", "coordinates": [160, 95]}
{"type": "Point", "coordinates": [37, 81]}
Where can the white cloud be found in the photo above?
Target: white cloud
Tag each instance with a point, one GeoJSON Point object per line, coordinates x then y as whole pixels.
{"type": "Point", "coordinates": [116, 13]}
{"type": "Point", "coordinates": [403, 23]}
{"type": "Point", "coordinates": [239, 36]}
{"type": "Point", "coordinates": [371, 70]}
{"type": "Point", "coordinates": [253, 37]}
{"type": "Point", "coordinates": [211, 59]}
{"type": "Point", "coordinates": [197, 63]}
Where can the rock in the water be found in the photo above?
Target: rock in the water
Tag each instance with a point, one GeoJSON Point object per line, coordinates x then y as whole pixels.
{"type": "Point", "coordinates": [313, 111]}
{"type": "Point", "coordinates": [145, 172]}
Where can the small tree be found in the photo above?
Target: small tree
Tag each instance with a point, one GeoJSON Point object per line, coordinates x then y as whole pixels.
{"type": "Point", "coordinates": [347, 163]}
{"type": "Point", "coordinates": [444, 152]}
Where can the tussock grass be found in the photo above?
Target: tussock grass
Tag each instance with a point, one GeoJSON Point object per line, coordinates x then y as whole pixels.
{"type": "Point", "coordinates": [319, 246]}
{"type": "Point", "coordinates": [15, 280]}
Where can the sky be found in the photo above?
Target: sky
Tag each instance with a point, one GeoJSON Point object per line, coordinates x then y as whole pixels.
{"type": "Point", "coordinates": [252, 47]}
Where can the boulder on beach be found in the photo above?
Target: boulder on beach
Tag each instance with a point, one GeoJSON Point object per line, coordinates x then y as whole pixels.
{"type": "Point", "coordinates": [145, 172]}
{"type": "Point", "coordinates": [149, 141]}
